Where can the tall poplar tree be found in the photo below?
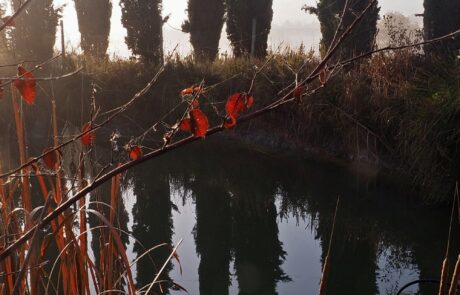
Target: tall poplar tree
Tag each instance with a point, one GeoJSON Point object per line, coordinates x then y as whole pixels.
{"type": "Point", "coordinates": [144, 24]}
{"type": "Point", "coordinates": [441, 17]}
{"type": "Point", "coordinates": [362, 37]}
{"type": "Point", "coordinates": [205, 22]}
{"type": "Point", "coordinates": [242, 15]}
{"type": "Point", "coordinates": [94, 24]}
{"type": "Point", "coordinates": [35, 32]}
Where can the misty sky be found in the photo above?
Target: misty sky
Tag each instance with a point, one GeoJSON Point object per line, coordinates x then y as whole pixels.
{"type": "Point", "coordinates": [290, 26]}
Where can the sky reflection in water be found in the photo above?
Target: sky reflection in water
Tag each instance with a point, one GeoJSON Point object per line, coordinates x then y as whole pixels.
{"type": "Point", "coordinates": [253, 223]}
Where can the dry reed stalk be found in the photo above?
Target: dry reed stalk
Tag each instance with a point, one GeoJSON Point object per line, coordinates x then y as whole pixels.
{"type": "Point", "coordinates": [67, 277]}
{"type": "Point", "coordinates": [115, 188]}
{"type": "Point", "coordinates": [58, 236]}
{"type": "Point", "coordinates": [455, 278]}
{"type": "Point", "coordinates": [157, 276]}
{"type": "Point", "coordinates": [9, 271]}
{"type": "Point", "coordinates": [443, 284]}
{"type": "Point", "coordinates": [5, 211]}
{"type": "Point", "coordinates": [22, 150]}
{"type": "Point", "coordinates": [444, 276]}
{"type": "Point", "coordinates": [14, 227]}
{"type": "Point", "coordinates": [324, 276]}
{"type": "Point", "coordinates": [81, 205]}
{"type": "Point", "coordinates": [74, 271]}
{"type": "Point", "coordinates": [57, 167]}
{"type": "Point", "coordinates": [83, 236]}
{"type": "Point", "coordinates": [31, 253]}
{"type": "Point", "coordinates": [73, 261]}
{"type": "Point", "coordinates": [25, 193]}
{"type": "Point", "coordinates": [131, 287]}
{"type": "Point", "coordinates": [326, 267]}
{"type": "Point", "coordinates": [3, 194]}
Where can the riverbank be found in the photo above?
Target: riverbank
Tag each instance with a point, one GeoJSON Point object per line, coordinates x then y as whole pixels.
{"type": "Point", "coordinates": [398, 112]}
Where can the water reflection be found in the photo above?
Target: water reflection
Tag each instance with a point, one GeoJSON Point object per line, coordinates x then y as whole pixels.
{"type": "Point", "coordinates": [152, 223]}
{"type": "Point", "coordinates": [213, 233]}
{"type": "Point", "coordinates": [240, 197]}
{"type": "Point", "coordinates": [258, 250]}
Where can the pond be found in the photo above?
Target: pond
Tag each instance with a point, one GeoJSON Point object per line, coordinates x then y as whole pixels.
{"type": "Point", "coordinates": [258, 223]}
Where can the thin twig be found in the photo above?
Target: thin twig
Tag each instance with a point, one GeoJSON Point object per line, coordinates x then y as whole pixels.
{"type": "Point", "coordinates": [93, 128]}
{"type": "Point", "coordinates": [52, 78]}
{"type": "Point", "coordinates": [173, 252]}
{"type": "Point", "coordinates": [37, 67]}
{"type": "Point", "coordinates": [325, 272]}
{"type": "Point", "coordinates": [339, 27]}
{"type": "Point", "coordinates": [443, 284]}
{"type": "Point", "coordinates": [16, 13]}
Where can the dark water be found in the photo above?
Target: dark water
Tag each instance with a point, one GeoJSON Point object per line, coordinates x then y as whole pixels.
{"type": "Point", "coordinates": [254, 223]}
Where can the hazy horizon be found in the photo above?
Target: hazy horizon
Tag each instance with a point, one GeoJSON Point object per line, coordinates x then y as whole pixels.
{"type": "Point", "coordinates": [290, 27]}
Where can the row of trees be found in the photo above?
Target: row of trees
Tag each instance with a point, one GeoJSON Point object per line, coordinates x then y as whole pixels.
{"type": "Point", "coordinates": [248, 26]}
{"type": "Point", "coordinates": [329, 14]}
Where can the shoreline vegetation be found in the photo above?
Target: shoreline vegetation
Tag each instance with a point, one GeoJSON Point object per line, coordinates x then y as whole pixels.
{"type": "Point", "coordinates": [73, 124]}
{"type": "Point", "coordinates": [395, 111]}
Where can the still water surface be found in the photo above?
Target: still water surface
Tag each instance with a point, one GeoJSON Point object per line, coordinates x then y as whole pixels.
{"type": "Point", "coordinates": [256, 223]}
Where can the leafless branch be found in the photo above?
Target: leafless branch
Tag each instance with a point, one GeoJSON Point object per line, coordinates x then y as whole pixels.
{"type": "Point", "coordinates": [93, 128]}
{"type": "Point", "coordinates": [37, 67]}
{"type": "Point", "coordinates": [16, 13]}
{"type": "Point", "coordinates": [52, 78]}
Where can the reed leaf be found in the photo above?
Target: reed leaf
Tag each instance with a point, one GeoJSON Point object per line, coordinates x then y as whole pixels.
{"type": "Point", "coordinates": [455, 278]}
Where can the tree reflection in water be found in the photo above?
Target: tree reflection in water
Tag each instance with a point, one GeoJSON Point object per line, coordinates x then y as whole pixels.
{"type": "Point", "coordinates": [240, 194]}
{"type": "Point", "coordinates": [152, 223]}
{"type": "Point", "coordinates": [212, 235]}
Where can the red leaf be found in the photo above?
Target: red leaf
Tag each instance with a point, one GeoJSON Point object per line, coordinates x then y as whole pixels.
{"type": "Point", "coordinates": [195, 104]}
{"type": "Point", "coordinates": [184, 125]}
{"type": "Point", "coordinates": [198, 90]}
{"type": "Point", "coordinates": [135, 153]}
{"type": "Point", "coordinates": [51, 158]}
{"type": "Point", "coordinates": [192, 91]}
{"type": "Point", "coordinates": [249, 101]}
{"type": "Point", "coordinates": [186, 91]}
{"type": "Point", "coordinates": [237, 103]}
{"type": "Point", "coordinates": [88, 138]}
{"type": "Point", "coordinates": [199, 123]}
{"type": "Point", "coordinates": [323, 76]}
{"type": "Point", "coordinates": [231, 123]}
{"type": "Point", "coordinates": [26, 85]}
{"type": "Point", "coordinates": [298, 91]}
{"type": "Point", "coordinates": [9, 21]}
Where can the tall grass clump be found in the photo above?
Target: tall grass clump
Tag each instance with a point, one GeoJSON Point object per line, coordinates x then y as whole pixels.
{"type": "Point", "coordinates": [57, 260]}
